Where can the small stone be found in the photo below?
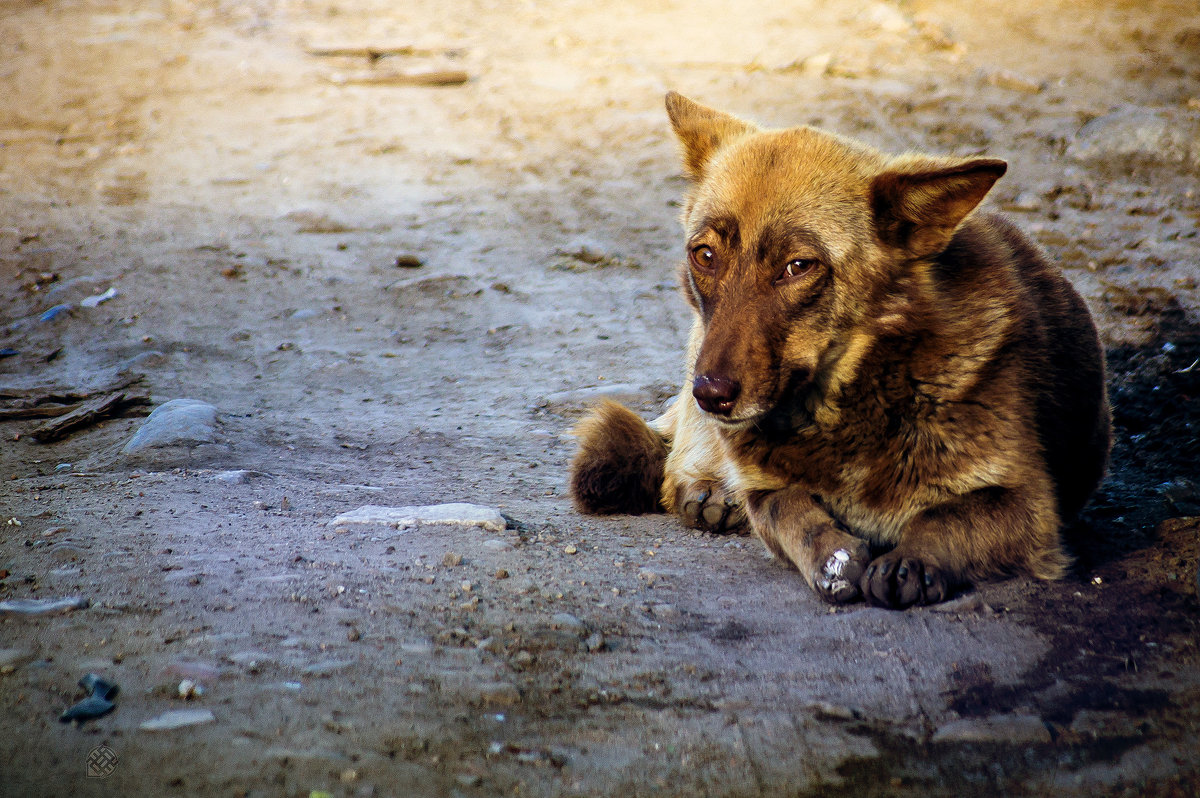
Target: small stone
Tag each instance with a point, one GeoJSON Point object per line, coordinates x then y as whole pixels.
{"type": "Point", "coordinates": [408, 262]}
{"type": "Point", "coordinates": [326, 667]}
{"type": "Point", "coordinates": [664, 611]}
{"type": "Point", "coordinates": [42, 606]}
{"type": "Point", "coordinates": [13, 658]}
{"type": "Point", "coordinates": [497, 545]}
{"type": "Point", "coordinates": [179, 422]}
{"type": "Point", "coordinates": [178, 719]}
{"type": "Point", "coordinates": [455, 514]}
{"type": "Point", "coordinates": [239, 477]}
{"type": "Point", "coordinates": [349, 776]}
{"type": "Point", "coordinates": [567, 622]}
{"type": "Point", "coordinates": [1014, 729]}
{"type": "Point", "coordinates": [972, 602]}
{"type": "Point", "coordinates": [189, 689]}
{"type": "Point", "coordinates": [502, 573]}
{"type": "Point", "coordinates": [353, 635]}
{"type": "Point", "coordinates": [595, 642]}
{"type": "Point", "coordinates": [499, 694]}
{"type": "Point", "coordinates": [571, 550]}
{"type": "Point", "coordinates": [1012, 81]}
{"type": "Point", "coordinates": [452, 559]}
{"type": "Point", "coordinates": [523, 658]}
{"type": "Point", "coordinates": [469, 780]}
{"type": "Point", "coordinates": [1133, 135]}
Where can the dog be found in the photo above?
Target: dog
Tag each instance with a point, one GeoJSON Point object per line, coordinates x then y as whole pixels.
{"type": "Point", "coordinates": [899, 396]}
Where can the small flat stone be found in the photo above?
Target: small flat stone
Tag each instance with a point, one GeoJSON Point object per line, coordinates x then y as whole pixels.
{"type": "Point", "coordinates": [499, 694]}
{"type": "Point", "coordinates": [42, 606]}
{"type": "Point", "coordinates": [497, 545]}
{"type": "Point", "coordinates": [454, 514]}
{"type": "Point", "coordinates": [326, 667]}
{"type": "Point", "coordinates": [567, 622]}
{"type": "Point", "coordinates": [178, 719]}
{"type": "Point", "coordinates": [1016, 729]}
{"type": "Point", "coordinates": [179, 422]}
{"type": "Point", "coordinates": [13, 658]}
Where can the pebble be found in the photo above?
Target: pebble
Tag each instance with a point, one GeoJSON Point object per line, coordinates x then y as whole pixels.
{"type": "Point", "coordinates": [42, 606]}
{"type": "Point", "coordinates": [1135, 134]}
{"type": "Point", "coordinates": [178, 719]}
{"type": "Point", "coordinates": [1013, 81]}
{"type": "Point", "coordinates": [497, 545]}
{"type": "Point", "coordinates": [189, 689]}
{"type": "Point", "coordinates": [972, 602]}
{"type": "Point", "coordinates": [1016, 729]}
{"type": "Point", "coordinates": [304, 314]}
{"type": "Point", "coordinates": [239, 477]}
{"type": "Point", "coordinates": [568, 622]}
{"type": "Point", "coordinates": [595, 642]}
{"type": "Point", "coordinates": [455, 514]}
{"type": "Point", "coordinates": [499, 694]}
{"type": "Point", "coordinates": [327, 667]}
{"type": "Point", "coordinates": [664, 610]}
{"type": "Point", "coordinates": [452, 559]}
{"type": "Point", "coordinates": [571, 550]}
{"type": "Point", "coordinates": [13, 658]}
{"type": "Point", "coordinates": [179, 422]}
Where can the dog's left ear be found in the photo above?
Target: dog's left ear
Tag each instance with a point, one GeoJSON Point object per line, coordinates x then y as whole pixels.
{"type": "Point", "coordinates": [701, 131]}
{"type": "Point", "coordinates": [919, 203]}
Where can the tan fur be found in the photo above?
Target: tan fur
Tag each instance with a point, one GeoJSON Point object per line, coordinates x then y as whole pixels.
{"type": "Point", "coordinates": [871, 364]}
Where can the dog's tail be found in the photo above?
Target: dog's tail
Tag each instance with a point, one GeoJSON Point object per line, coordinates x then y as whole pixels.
{"type": "Point", "coordinates": [620, 463]}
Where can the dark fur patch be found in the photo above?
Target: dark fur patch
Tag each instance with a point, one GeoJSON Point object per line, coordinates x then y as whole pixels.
{"type": "Point", "coordinates": [619, 465]}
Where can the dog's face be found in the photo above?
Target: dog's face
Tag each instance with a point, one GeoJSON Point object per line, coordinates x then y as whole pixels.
{"type": "Point", "coordinates": [802, 247]}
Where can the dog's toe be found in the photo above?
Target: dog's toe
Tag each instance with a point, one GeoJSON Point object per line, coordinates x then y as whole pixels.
{"type": "Point", "coordinates": [898, 581]}
{"type": "Point", "coordinates": [839, 577]}
{"type": "Point", "coordinates": [706, 505]}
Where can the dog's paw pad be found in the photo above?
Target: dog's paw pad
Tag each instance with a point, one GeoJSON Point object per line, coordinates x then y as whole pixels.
{"type": "Point", "coordinates": [897, 581]}
{"type": "Point", "coordinates": [838, 579]}
{"type": "Point", "coordinates": [708, 506]}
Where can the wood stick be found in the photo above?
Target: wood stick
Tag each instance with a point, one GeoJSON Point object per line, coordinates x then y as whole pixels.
{"type": "Point", "coordinates": [87, 414]}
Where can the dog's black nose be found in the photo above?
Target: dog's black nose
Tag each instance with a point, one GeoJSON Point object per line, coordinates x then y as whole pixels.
{"type": "Point", "coordinates": [715, 394]}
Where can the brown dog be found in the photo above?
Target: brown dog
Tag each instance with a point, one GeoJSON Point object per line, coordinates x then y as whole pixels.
{"type": "Point", "coordinates": [871, 366]}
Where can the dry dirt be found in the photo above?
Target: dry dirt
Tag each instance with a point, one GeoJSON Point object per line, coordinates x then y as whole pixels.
{"type": "Point", "coordinates": [248, 198]}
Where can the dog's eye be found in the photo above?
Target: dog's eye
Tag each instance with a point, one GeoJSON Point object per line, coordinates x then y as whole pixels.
{"type": "Point", "coordinates": [798, 268]}
{"type": "Point", "coordinates": [703, 258]}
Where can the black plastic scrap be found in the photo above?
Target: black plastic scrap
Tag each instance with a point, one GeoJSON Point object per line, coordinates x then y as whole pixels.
{"type": "Point", "coordinates": [99, 701]}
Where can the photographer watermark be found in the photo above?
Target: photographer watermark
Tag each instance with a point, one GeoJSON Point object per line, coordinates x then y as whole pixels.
{"type": "Point", "coordinates": [101, 762]}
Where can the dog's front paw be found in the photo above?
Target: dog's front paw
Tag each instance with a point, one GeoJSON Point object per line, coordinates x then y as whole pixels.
{"type": "Point", "coordinates": [837, 580]}
{"type": "Point", "coordinates": [897, 580]}
{"type": "Point", "coordinates": [707, 505]}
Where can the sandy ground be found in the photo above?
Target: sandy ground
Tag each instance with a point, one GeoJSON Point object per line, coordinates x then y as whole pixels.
{"type": "Point", "coordinates": [249, 195]}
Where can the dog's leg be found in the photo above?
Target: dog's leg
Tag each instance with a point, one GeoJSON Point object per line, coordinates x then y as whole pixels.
{"type": "Point", "coordinates": [619, 465]}
{"type": "Point", "coordinates": [798, 530]}
{"type": "Point", "coordinates": [692, 486]}
{"type": "Point", "coordinates": [986, 533]}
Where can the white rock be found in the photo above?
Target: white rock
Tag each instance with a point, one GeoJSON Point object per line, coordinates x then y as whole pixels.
{"type": "Point", "coordinates": [42, 606]}
{"type": "Point", "coordinates": [178, 719]}
{"type": "Point", "coordinates": [457, 514]}
{"type": "Point", "coordinates": [175, 423]}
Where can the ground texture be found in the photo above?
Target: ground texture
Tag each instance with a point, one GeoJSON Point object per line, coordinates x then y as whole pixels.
{"type": "Point", "coordinates": [400, 271]}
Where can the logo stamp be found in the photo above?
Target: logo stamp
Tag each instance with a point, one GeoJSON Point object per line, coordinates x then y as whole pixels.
{"type": "Point", "coordinates": [101, 762]}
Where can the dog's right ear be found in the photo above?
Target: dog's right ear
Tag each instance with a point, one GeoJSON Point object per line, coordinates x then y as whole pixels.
{"type": "Point", "coordinates": [701, 131]}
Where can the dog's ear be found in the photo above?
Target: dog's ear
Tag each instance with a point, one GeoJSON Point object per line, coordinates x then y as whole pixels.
{"type": "Point", "coordinates": [919, 202]}
{"type": "Point", "coordinates": [701, 131]}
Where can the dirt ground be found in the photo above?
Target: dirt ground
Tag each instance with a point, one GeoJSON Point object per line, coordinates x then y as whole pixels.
{"type": "Point", "coordinates": [400, 273]}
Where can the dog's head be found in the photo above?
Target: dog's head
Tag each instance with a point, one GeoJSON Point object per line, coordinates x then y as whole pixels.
{"type": "Point", "coordinates": [802, 249]}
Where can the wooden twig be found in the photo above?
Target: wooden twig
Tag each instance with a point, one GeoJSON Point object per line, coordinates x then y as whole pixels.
{"type": "Point", "coordinates": [30, 397]}
{"type": "Point", "coordinates": [438, 77]}
{"type": "Point", "coordinates": [375, 52]}
{"type": "Point", "coordinates": [38, 411]}
{"type": "Point", "coordinates": [87, 414]}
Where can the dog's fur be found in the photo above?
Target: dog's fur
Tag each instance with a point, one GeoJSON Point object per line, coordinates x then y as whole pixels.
{"type": "Point", "coordinates": [871, 367]}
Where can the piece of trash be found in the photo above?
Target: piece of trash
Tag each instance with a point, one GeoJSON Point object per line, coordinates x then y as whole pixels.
{"type": "Point", "coordinates": [42, 606]}
{"type": "Point", "coordinates": [99, 701]}
{"type": "Point", "coordinates": [55, 312]}
{"type": "Point", "coordinates": [93, 301]}
{"type": "Point", "coordinates": [8, 351]}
